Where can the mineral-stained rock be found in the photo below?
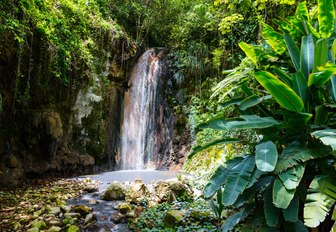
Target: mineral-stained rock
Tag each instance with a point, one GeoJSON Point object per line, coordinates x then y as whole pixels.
{"type": "Point", "coordinates": [172, 190]}
{"type": "Point", "coordinates": [116, 191]}
{"type": "Point", "coordinates": [137, 192]}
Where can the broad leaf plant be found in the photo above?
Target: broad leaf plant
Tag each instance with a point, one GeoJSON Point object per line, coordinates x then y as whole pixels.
{"type": "Point", "coordinates": [288, 182]}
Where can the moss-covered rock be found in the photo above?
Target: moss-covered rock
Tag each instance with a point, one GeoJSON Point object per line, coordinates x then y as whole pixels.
{"type": "Point", "coordinates": [116, 191]}
{"type": "Point", "coordinates": [168, 191]}
{"type": "Point", "coordinates": [173, 218]}
{"type": "Point", "coordinates": [83, 210]}
{"type": "Point", "coordinates": [72, 228]}
{"type": "Point", "coordinates": [54, 210]}
{"type": "Point", "coordinates": [33, 230]}
{"type": "Point", "coordinates": [39, 224]}
{"type": "Point", "coordinates": [124, 208]}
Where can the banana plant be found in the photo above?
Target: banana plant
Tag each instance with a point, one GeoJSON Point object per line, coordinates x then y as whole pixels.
{"type": "Point", "coordinates": [292, 168]}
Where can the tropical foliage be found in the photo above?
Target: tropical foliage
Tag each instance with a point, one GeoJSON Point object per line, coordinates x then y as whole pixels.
{"type": "Point", "coordinates": [288, 97]}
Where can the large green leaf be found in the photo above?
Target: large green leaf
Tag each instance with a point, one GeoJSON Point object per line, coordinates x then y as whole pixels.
{"type": "Point", "coordinates": [197, 149]}
{"type": "Point", "coordinates": [251, 191]}
{"type": "Point", "coordinates": [292, 212]}
{"type": "Point", "coordinates": [244, 122]}
{"type": "Point", "coordinates": [296, 153]}
{"type": "Point", "coordinates": [300, 86]}
{"type": "Point", "coordinates": [293, 51]}
{"type": "Point", "coordinates": [307, 55]}
{"type": "Point", "coordinates": [320, 53]}
{"type": "Point", "coordinates": [327, 136]}
{"type": "Point", "coordinates": [297, 226]}
{"type": "Point", "coordinates": [252, 100]}
{"type": "Point", "coordinates": [321, 197]}
{"type": "Point", "coordinates": [245, 103]}
{"type": "Point", "coordinates": [302, 11]}
{"type": "Point", "coordinates": [249, 51]}
{"type": "Point", "coordinates": [271, 212]}
{"type": "Point", "coordinates": [266, 156]}
{"type": "Point", "coordinates": [219, 176]}
{"type": "Point", "coordinates": [255, 177]}
{"type": "Point", "coordinates": [284, 95]}
{"type": "Point", "coordinates": [323, 75]}
{"type": "Point", "coordinates": [321, 115]}
{"type": "Point", "coordinates": [237, 181]}
{"type": "Point", "coordinates": [274, 39]}
{"type": "Point", "coordinates": [284, 77]}
{"type": "Point", "coordinates": [282, 196]}
{"type": "Point", "coordinates": [291, 177]}
{"type": "Point", "coordinates": [332, 87]}
{"type": "Point", "coordinates": [234, 219]}
{"type": "Point", "coordinates": [326, 17]}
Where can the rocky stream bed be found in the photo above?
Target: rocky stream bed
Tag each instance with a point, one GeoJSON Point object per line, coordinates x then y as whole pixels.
{"type": "Point", "coordinates": [82, 204]}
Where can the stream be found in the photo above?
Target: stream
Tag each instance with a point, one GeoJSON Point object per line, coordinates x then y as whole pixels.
{"type": "Point", "coordinates": [108, 218]}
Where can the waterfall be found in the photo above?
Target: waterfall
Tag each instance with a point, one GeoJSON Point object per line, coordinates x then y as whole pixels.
{"type": "Point", "coordinates": [146, 133]}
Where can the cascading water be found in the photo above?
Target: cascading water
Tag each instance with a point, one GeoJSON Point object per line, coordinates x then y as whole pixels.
{"type": "Point", "coordinates": [146, 133]}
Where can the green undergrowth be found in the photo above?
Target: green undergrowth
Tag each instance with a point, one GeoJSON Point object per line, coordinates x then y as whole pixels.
{"type": "Point", "coordinates": [197, 217]}
{"type": "Point", "coordinates": [77, 34]}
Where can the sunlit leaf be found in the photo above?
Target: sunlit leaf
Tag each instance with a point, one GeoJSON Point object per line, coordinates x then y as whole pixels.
{"type": "Point", "coordinates": [283, 94]}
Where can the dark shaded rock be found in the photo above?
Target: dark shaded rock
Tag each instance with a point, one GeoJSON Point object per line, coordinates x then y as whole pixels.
{"type": "Point", "coordinates": [12, 162]}
{"type": "Point", "coordinates": [124, 208]}
{"type": "Point", "coordinates": [116, 217]}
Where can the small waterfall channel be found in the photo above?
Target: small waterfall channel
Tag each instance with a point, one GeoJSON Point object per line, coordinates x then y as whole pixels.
{"type": "Point", "coordinates": [147, 120]}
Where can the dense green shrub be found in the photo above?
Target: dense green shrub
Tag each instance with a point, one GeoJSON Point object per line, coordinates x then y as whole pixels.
{"type": "Point", "coordinates": [290, 103]}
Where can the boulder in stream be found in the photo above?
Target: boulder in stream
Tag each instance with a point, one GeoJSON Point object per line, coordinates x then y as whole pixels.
{"type": "Point", "coordinates": [116, 191]}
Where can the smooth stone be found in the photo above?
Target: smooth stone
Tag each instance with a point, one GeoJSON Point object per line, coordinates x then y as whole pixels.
{"type": "Point", "coordinates": [65, 208]}
{"type": "Point", "coordinates": [72, 215]}
{"type": "Point", "coordinates": [33, 230]}
{"type": "Point", "coordinates": [55, 210]}
{"type": "Point", "coordinates": [55, 229]}
{"type": "Point", "coordinates": [55, 223]}
{"type": "Point", "coordinates": [90, 218]}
